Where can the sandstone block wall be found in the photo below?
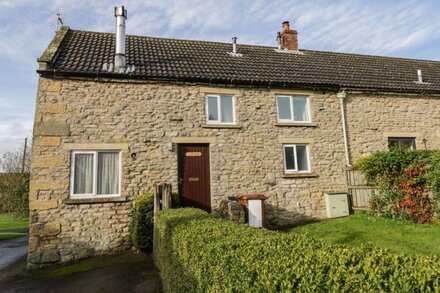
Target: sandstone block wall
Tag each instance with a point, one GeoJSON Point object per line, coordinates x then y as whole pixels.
{"type": "Point", "coordinates": [372, 118]}
{"type": "Point", "coordinates": [146, 117]}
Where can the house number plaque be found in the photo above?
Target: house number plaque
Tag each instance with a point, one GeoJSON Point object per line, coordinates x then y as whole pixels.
{"type": "Point", "coordinates": [193, 154]}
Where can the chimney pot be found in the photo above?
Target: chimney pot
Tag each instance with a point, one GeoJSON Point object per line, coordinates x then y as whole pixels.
{"type": "Point", "coordinates": [286, 26]}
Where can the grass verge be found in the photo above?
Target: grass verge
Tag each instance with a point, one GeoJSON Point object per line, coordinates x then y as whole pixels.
{"type": "Point", "coordinates": [12, 226]}
{"type": "Point", "coordinates": [370, 230]}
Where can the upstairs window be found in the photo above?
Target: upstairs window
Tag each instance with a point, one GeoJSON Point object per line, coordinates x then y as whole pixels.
{"type": "Point", "coordinates": [292, 109]}
{"type": "Point", "coordinates": [95, 174]}
{"type": "Point", "coordinates": [409, 142]}
{"type": "Point", "coordinates": [296, 158]}
{"type": "Point", "coordinates": [220, 109]}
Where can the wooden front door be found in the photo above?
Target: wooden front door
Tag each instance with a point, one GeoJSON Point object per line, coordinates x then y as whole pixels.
{"type": "Point", "coordinates": [194, 177]}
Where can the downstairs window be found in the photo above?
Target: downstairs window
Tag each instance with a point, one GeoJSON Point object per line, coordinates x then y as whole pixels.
{"type": "Point", "coordinates": [95, 174]}
{"type": "Point", "coordinates": [296, 158]}
{"type": "Point", "coordinates": [409, 142]}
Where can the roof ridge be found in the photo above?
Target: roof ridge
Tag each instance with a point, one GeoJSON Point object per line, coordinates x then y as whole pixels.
{"type": "Point", "coordinates": [266, 46]}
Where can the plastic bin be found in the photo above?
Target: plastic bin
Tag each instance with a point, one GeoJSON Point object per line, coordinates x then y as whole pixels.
{"type": "Point", "coordinates": [254, 209]}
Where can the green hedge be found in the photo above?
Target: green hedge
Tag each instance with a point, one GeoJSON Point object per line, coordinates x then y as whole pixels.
{"type": "Point", "coordinates": [198, 252]}
{"type": "Point", "coordinates": [141, 224]}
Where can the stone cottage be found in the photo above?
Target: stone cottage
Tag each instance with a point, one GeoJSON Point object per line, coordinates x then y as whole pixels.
{"type": "Point", "coordinates": [118, 114]}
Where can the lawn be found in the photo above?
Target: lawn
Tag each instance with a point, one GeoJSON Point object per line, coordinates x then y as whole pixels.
{"type": "Point", "coordinates": [370, 230]}
{"type": "Point", "coordinates": [11, 226]}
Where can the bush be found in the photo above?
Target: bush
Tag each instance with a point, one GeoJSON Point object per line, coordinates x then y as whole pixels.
{"type": "Point", "coordinates": [141, 224]}
{"type": "Point", "coordinates": [405, 179]}
{"type": "Point", "coordinates": [14, 193]}
{"type": "Point", "coordinates": [198, 252]}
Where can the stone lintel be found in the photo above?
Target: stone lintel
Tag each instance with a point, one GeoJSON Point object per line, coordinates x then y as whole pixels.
{"type": "Point", "coordinates": [96, 146]}
{"type": "Point", "coordinates": [189, 139]}
{"type": "Point", "coordinates": [219, 90]}
{"type": "Point", "coordinates": [291, 92]}
{"type": "Point", "coordinates": [295, 140]}
{"type": "Point", "coordinates": [401, 134]}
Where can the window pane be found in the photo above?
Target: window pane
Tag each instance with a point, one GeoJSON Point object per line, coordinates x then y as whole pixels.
{"type": "Point", "coordinates": [108, 173]}
{"type": "Point", "coordinates": [83, 174]}
{"type": "Point", "coordinates": [401, 142]}
{"type": "Point", "coordinates": [290, 158]}
{"type": "Point", "coordinates": [284, 108]}
{"type": "Point", "coordinates": [300, 109]}
{"type": "Point", "coordinates": [212, 109]}
{"type": "Point", "coordinates": [301, 155]}
{"type": "Point", "coordinates": [227, 109]}
{"type": "Point", "coordinates": [408, 142]}
{"type": "Point", "coordinates": [392, 143]}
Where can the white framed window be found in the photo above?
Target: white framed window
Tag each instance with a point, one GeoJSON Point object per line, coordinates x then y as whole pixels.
{"type": "Point", "coordinates": [95, 174]}
{"type": "Point", "coordinates": [291, 109]}
{"type": "Point", "coordinates": [220, 109]}
{"type": "Point", "coordinates": [296, 158]}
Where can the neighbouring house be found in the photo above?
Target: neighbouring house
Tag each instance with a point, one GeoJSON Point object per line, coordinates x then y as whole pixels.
{"type": "Point", "coordinates": [118, 114]}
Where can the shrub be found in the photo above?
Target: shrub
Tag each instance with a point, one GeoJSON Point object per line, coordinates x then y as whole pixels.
{"type": "Point", "coordinates": [405, 179]}
{"type": "Point", "coordinates": [14, 193]}
{"type": "Point", "coordinates": [198, 252]}
{"type": "Point", "coordinates": [141, 224]}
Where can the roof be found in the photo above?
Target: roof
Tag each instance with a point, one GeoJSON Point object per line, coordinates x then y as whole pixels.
{"type": "Point", "coordinates": [84, 52]}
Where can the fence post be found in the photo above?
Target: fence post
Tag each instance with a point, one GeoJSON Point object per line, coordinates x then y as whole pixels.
{"type": "Point", "coordinates": [156, 208]}
{"type": "Point", "coordinates": [166, 196]}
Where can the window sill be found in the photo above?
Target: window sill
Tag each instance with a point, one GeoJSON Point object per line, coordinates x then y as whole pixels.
{"type": "Point", "coordinates": [296, 124]}
{"type": "Point", "coordinates": [300, 175]}
{"type": "Point", "coordinates": [94, 200]}
{"type": "Point", "coordinates": [233, 126]}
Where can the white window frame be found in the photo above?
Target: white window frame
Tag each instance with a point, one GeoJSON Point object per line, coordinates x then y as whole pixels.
{"type": "Point", "coordinates": [95, 174]}
{"type": "Point", "coordinates": [219, 110]}
{"type": "Point", "coordinates": [290, 171]}
{"type": "Point", "coordinates": [291, 97]}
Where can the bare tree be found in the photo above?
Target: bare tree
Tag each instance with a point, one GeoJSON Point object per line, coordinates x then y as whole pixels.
{"type": "Point", "coordinates": [12, 162]}
{"type": "Point", "coordinates": [14, 181]}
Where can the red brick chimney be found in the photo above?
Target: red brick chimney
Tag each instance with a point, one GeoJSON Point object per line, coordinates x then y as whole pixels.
{"type": "Point", "coordinates": [289, 38]}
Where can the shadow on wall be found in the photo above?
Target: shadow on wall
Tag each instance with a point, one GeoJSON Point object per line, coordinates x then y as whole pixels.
{"type": "Point", "coordinates": [276, 217]}
{"type": "Point", "coordinates": [280, 218]}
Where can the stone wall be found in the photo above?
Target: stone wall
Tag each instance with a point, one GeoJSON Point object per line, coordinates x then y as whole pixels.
{"type": "Point", "coordinates": [372, 118]}
{"type": "Point", "coordinates": [146, 117]}
{"type": "Point", "coordinates": [232, 210]}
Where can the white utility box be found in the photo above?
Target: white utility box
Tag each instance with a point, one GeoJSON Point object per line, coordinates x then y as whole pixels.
{"type": "Point", "coordinates": [337, 204]}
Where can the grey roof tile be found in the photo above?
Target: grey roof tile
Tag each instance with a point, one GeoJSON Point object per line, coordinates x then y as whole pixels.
{"type": "Point", "coordinates": [85, 52]}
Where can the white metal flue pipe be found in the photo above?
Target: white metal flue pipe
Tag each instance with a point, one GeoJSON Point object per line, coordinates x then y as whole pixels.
{"type": "Point", "coordinates": [121, 16]}
{"type": "Point", "coordinates": [234, 45]}
{"type": "Point", "coordinates": [419, 76]}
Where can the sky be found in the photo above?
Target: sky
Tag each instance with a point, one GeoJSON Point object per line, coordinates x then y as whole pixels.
{"type": "Point", "coordinates": [405, 28]}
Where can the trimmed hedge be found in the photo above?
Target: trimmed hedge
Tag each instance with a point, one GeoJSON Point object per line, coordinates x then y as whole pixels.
{"type": "Point", "coordinates": [198, 252]}
{"type": "Point", "coordinates": [141, 225]}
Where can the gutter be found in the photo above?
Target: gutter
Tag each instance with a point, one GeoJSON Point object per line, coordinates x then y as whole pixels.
{"type": "Point", "coordinates": [342, 95]}
{"type": "Point", "coordinates": [130, 77]}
